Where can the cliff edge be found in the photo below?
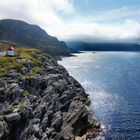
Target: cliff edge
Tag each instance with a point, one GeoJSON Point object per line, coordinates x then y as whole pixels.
{"type": "Point", "coordinates": [40, 101]}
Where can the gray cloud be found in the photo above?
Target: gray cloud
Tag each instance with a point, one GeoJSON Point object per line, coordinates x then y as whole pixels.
{"type": "Point", "coordinates": [46, 13]}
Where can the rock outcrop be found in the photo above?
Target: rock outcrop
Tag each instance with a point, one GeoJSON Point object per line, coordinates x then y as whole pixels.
{"type": "Point", "coordinates": [48, 105]}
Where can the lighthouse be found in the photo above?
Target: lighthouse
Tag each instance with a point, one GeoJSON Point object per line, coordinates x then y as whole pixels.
{"type": "Point", "coordinates": [10, 50]}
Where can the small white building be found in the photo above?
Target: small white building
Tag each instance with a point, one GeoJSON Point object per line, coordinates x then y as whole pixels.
{"type": "Point", "coordinates": [10, 50]}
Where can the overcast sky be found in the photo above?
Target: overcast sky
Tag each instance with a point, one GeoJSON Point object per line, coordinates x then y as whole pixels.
{"type": "Point", "coordinates": [86, 20]}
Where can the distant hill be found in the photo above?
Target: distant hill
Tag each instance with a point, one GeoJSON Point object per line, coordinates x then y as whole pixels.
{"type": "Point", "coordinates": [84, 46]}
{"type": "Point", "coordinates": [32, 36]}
{"type": "Point", "coordinates": [79, 45]}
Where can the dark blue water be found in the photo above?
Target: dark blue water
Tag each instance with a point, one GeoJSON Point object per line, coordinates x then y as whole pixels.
{"type": "Point", "coordinates": [113, 81]}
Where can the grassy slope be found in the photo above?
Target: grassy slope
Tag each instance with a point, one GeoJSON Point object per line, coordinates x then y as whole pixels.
{"type": "Point", "coordinates": [8, 63]}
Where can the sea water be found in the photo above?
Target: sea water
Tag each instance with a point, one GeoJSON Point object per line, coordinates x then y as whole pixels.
{"type": "Point", "coordinates": [112, 79]}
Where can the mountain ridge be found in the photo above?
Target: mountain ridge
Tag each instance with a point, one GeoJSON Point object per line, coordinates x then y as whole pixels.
{"type": "Point", "coordinates": [85, 46]}
{"type": "Point", "coordinates": [32, 36]}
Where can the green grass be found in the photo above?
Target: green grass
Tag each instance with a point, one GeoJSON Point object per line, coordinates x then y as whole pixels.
{"type": "Point", "coordinates": [8, 63]}
{"type": "Point", "coordinates": [22, 105]}
{"type": "Point", "coordinates": [3, 71]}
{"type": "Point", "coordinates": [3, 45]}
{"type": "Point", "coordinates": [31, 73]}
{"type": "Point", "coordinates": [27, 94]}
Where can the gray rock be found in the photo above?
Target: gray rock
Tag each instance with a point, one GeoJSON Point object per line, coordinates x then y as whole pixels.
{"type": "Point", "coordinates": [35, 121]}
{"type": "Point", "coordinates": [57, 123]}
{"type": "Point", "coordinates": [36, 128]}
{"type": "Point", "coordinates": [13, 74]}
{"type": "Point", "coordinates": [66, 134]}
{"type": "Point", "coordinates": [13, 92]}
{"type": "Point", "coordinates": [1, 118]}
{"type": "Point", "coordinates": [57, 108]}
{"type": "Point", "coordinates": [45, 122]}
{"type": "Point", "coordinates": [65, 106]}
{"type": "Point", "coordinates": [12, 117]}
{"type": "Point", "coordinates": [5, 108]}
{"type": "Point", "coordinates": [32, 138]}
{"type": "Point", "coordinates": [25, 133]}
{"type": "Point", "coordinates": [24, 70]}
{"type": "Point", "coordinates": [24, 60]}
{"type": "Point", "coordinates": [64, 98]}
{"type": "Point", "coordinates": [3, 85]}
{"type": "Point", "coordinates": [4, 130]}
{"type": "Point", "coordinates": [44, 137]}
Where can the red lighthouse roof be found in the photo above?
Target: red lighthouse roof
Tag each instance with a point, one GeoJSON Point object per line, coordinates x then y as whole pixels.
{"type": "Point", "coordinates": [10, 47]}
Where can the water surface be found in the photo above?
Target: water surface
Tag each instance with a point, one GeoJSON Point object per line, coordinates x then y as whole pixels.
{"type": "Point", "coordinates": [112, 80]}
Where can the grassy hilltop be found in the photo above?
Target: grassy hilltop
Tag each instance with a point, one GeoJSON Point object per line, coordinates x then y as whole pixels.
{"type": "Point", "coordinates": [8, 63]}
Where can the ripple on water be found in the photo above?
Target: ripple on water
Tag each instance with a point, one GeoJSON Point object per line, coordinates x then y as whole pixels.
{"type": "Point", "coordinates": [112, 80]}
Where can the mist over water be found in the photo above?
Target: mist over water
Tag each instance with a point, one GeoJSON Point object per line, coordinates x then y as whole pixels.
{"type": "Point", "coordinates": [112, 79]}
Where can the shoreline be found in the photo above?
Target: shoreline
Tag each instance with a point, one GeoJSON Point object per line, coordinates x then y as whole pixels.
{"type": "Point", "coordinates": [48, 105]}
{"type": "Point", "coordinates": [96, 129]}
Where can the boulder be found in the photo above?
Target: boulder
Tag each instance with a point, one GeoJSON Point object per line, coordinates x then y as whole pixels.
{"type": "Point", "coordinates": [57, 121]}
{"type": "Point", "coordinates": [13, 92]}
{"type": "Point", "coordinates": [13, 74]}
{"type": "Point", "coordinates": [12, 117]}
{"type": "Point", "coordinates": [24, 70]}
{"type": "Point", "coordinates": [4, 130]}
{"type": "Point", "coordinates": [3, 85]}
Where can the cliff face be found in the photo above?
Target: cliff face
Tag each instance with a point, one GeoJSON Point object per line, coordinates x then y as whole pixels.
{"type": "Point", "coordinates": [41, 101]}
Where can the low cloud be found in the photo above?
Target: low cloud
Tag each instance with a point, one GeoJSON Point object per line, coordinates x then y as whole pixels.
{"type": "Point", "coordinates": [128, 31]}
{"type": "Point", "coordinates": [52, 15]}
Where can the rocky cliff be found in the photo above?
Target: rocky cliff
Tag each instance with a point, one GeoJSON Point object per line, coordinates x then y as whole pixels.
{"type": "Point", "coordinates": [40, 101]}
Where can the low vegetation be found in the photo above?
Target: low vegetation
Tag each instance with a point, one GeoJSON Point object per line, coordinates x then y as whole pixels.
{"type": "Point", "coordinates": [27, 94]}
{"type": "Point", "coordinates": [31, 73]}
{"type": "Point", "coordinates": [8, 63]}
{"type": "Point", "coordinates": [22, 105]}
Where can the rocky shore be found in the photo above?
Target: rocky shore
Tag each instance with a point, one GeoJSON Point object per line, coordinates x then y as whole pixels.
{"type": "Point", "coordinates": [43, 103]}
